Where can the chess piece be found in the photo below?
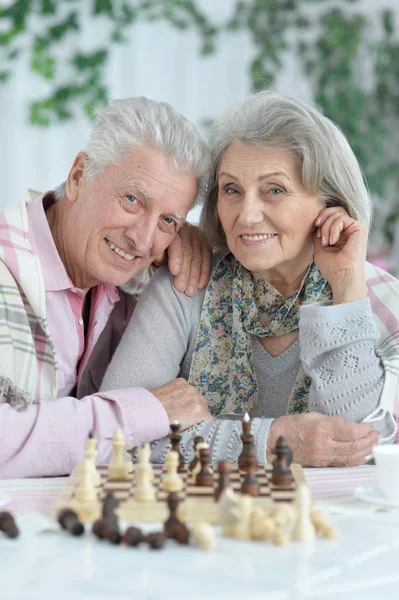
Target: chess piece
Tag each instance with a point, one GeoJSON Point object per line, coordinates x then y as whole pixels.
{"type": "Point", "coordinates": [322, 524]}
{"type": "Point", "coordinates": [203, 536]}
{"type": "Point", "coordinates": [175, 438]}
{"type": "Point", "coordinates": [109, 515]}
{"type": "Point", "coordinates": [68, 519]}
{"type": "Point", "coordinates": [197, 467]}
{"type": "Point", "coordinates": [250, 485]}
{"type": "Point", "coordinates": [242, 513]}
{"type": "Point", "coordinates": [303, 530]}
{"type": "Point", "coordinates": [197, 440]}
{"type": "Point", "coordinates": [248, 445]}
{"type": "Point", "coordinates": [90, 455]}
{"type": "Point", "coordinates": [118, 469]}
{"type": "Point", "coordinates": [281, 474]}
{"type": "Point", "coordinates": [8, 525]}
{"type": "Point", "coordinates": [86, 503]}
{"type": "Point", "coordinates": [155, 540]}
{"type": "Point", "coordinates": [224, 468]}
{"type": "Point", "coordinates": [228, 501]}
{"type": "Point", "coordinates": [172, 482]}
{"type": "Point", "coordinates": [133, 536]}
{"type": "Point", "coordinates": [143, 455]}
{"type": "Point", "coordinates": [204, 477]}
{"type": "Point", "coordinates": [99, 528]}
{"type": "Point", "coordinates": [174, 528]}
{"type": "Point", "coordinates": [144, 490]}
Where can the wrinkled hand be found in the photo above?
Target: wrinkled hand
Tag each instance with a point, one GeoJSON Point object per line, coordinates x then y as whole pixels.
{"type": "Point", "coordinates": [183, 403]}
{"type": "Point", "coordinates": [318, 440]}
{"type": "Point", "coordinates": [189, 260]}
{"type": "Point", "coordinates": [340, 247]}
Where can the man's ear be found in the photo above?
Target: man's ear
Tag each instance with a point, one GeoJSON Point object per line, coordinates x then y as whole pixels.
{"type": "Point", "coordinates": [75, 177]}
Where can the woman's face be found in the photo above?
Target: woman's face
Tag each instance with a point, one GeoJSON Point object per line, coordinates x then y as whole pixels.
{"type": "Point", "coordinates": [266, 213]}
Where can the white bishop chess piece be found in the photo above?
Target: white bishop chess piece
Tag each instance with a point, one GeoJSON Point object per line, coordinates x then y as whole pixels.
{"type": "Point", "coordinates": [90, 454]}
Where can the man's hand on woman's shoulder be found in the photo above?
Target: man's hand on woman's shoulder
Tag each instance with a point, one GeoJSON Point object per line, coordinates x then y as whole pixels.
{"type": "Point", "coordinates": [189, 260]}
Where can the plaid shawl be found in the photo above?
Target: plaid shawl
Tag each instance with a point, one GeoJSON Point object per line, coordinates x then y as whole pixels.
{"type": "Point", "coordinates": [28, 364]}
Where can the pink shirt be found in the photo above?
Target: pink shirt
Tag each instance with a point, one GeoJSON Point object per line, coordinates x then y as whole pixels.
{"type": "Point", "coordinates": [48, 438]}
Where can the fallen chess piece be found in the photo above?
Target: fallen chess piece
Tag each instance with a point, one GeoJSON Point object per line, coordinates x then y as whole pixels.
{"type": "Point", "coordinates": [8, 525]}
{"type": "Point", "coordinates": [303, 530]}
{"type": "Point", "coordinates": [322, 525]}
{"type": "Point", "coordinates": [155, 540]}
{"type": "Point", "coordinates": [203, 536]}
{"type": "Point", "coordinates": [133, 537]}
{"type": "Point", "coordinates": [69, 520]}
{"type": "Point", "coordinates": [175, 529]}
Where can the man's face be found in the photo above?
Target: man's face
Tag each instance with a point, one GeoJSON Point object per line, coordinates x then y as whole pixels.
{"type": "Point", "coordinates": [126, 216]}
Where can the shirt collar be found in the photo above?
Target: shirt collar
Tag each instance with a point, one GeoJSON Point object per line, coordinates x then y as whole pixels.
{"type": "Point", "coordinates": [54, 273]}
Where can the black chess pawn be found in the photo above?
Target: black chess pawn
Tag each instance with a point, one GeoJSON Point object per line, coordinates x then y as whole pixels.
{"type": "Point", "coordinates": [155, 540]}
{"type": "Point", "coordinates": [281, 474]}
{"type": "Point", "coordinates": [197, 440]}
{"type": "Point", "coordinates": [109, 511]}
{"type": "Point", "coordinates": [133, 536]}
{"type": "Point", "coordinates": [69, 520]}
{"type": "Point", "coordinates": [250, 485]}
{"type": "Point", "coordinates": [248, 445]}
{"type": "Point", "coordinates": [204, 477]}
{"type": "Point", "coordinates": [175, 529]}
{"type": "Point", "coordinates": [8, 525]}
{"type": "Point", "coordinates": [224, 468]}
{"type": "Point", "coordinates": [175, 438]}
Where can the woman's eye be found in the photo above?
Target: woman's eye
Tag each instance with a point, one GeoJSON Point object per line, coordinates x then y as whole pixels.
{"type": "Point", "coordinates": [230, 191]}
{"type": "Point", "coordinates": [169, 221]}
{"type": "Point", "coordinates": [131, 199]}
{"type": "Point", "coordinates": [275, 191]}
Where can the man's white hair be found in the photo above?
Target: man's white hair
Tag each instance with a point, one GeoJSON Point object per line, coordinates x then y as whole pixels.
{"type": "Point", "coordinates": [274, 121]}
{"type": "Point", "coordinates": [134, 122]}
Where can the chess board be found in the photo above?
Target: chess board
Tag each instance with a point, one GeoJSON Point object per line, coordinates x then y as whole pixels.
{"type": "Point", "coordinates": [198, 504]}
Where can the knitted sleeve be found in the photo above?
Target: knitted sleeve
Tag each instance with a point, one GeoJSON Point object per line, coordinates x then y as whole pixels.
{"type": "Point", "coordinates": [223, 437]}
{"type": "Point", "coordinates": [338, 351]}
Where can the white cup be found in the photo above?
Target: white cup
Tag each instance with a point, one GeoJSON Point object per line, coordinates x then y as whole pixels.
{"type": "Point", "coordinates": [387, 462]}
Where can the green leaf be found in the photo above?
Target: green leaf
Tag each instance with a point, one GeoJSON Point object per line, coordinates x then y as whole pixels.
{"type": "Point", "coordinates": [102, 6]}
{"type": "Point", "coordinates": [48, 7]}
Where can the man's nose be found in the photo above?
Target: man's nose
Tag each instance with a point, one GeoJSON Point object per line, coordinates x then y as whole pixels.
{"type": "Point", "coordinates": [142, 234]}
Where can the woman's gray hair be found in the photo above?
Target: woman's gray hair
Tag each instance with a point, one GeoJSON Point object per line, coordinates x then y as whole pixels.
{"type": "Point", "coordinates": [133, 122]}
{"type": "Point", "coordinates": [274, 121]}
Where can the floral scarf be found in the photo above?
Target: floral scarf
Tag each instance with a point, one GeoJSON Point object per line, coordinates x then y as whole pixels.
{"type": "Point", "coordinates": [239, 303]}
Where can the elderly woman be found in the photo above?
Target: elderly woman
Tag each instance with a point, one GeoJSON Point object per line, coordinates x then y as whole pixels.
{"type": "Point", "coordinates": [295, 327]}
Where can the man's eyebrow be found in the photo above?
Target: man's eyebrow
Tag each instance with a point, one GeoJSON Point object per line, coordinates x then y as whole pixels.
{"type": "Point", "coordinates": [180, 216]}
{"type": "Point", "coordinates": [142, 191]}
{"type": "Point", "coordinates": [264, 176]}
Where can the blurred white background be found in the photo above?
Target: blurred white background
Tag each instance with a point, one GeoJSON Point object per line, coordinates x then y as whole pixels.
{"type": "Point", "coordinates": [160, 62]}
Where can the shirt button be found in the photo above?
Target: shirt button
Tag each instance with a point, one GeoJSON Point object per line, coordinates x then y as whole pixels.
{"type": "Point", "coordinates": [80, 321]}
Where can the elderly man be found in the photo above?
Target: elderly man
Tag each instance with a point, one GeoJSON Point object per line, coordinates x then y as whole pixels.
{"type": "Point", "coordinates": [62, 257]}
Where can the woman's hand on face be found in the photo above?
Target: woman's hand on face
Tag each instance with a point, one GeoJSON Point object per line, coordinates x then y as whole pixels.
{"type": "Point", "coordinates": [340, 247]}
{"type": "Point", "coordinates": [318, 440]}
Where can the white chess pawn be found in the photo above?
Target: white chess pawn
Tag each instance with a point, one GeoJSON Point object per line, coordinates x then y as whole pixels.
{"type": "Point", "coordinates": [303, 530]}
{"type": "Point", "coordinates": [86, 501]}
{"type": "Point", "coordinates": [90, 454]}
{"type": "Point", "coordinates": [143, 454]}
{"type": "Point", "coordinates": [118, 469]}
{"type": "Point", "coordinates": [200, 446]}
{"type": "Point", "coordinates": [144, 491]}
{"type": "Point", "coordinates": [172, 482]}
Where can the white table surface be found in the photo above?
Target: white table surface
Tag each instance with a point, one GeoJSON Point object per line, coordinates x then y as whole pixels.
{"type": "Point", "coordinates": [47, 563]}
